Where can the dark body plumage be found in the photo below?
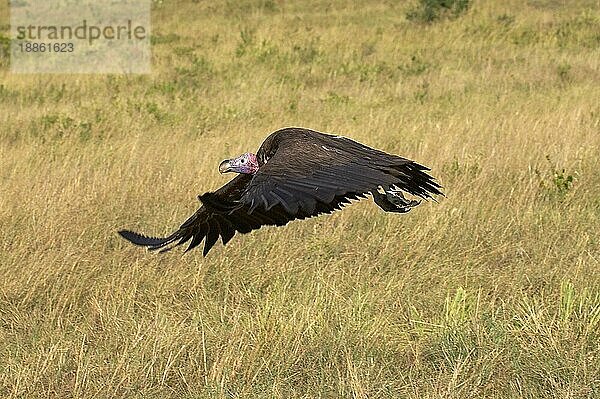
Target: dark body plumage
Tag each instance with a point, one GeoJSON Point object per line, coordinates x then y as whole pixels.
{"type": "Point", "coordinates": [302, 173]}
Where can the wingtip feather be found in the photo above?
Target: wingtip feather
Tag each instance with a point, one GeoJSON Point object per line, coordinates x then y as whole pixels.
{"type": "Point", "coordinates": [142, 240]}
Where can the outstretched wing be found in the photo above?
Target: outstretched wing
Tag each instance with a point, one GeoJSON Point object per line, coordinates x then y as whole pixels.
{"type": "Point", "coordinates": [305, 169]}
{"type": "Point", "coordinates": [221, 216]}
{"type": "Point", "coordinates": [202, 225]}
{"type": "Point", "coordinates": [206, 224]}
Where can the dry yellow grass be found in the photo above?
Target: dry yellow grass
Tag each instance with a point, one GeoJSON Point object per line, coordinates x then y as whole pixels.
{"type": "Point", "coordinates": [493, 292]}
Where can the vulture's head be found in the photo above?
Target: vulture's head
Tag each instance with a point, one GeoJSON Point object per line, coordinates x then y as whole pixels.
{"type": "Point", "coordinates": [245, 163]}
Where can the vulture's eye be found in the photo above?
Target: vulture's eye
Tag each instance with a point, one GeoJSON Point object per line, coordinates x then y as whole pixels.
{"type": "Point", "coordinates": [243, 160]}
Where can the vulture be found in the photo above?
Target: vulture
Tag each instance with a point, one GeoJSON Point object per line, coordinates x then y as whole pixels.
{"type": "Point", "coordinates": [297, 173]}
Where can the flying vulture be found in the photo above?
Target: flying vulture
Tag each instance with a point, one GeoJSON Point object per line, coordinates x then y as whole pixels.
{"type": "Point", "coordinates": [297, 173]}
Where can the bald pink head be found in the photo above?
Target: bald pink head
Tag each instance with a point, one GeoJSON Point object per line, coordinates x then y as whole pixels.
{"type": "Point", "coordinates": [245, 163]}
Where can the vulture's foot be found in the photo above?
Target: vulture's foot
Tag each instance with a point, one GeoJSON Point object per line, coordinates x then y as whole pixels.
{"type": "Point", "coordinates": [393, 200]}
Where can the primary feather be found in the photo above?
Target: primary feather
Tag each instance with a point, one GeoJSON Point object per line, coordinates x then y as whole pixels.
{"type": "Point", "coordinates": [299, 173]}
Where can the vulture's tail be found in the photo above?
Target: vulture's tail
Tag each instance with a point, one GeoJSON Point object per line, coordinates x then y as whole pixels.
{"type": "Point", "coordinates": [415, 180]}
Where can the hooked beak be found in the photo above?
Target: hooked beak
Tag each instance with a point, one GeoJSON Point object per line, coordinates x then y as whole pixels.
{"type": "Point", "coordinates": [225, 166]}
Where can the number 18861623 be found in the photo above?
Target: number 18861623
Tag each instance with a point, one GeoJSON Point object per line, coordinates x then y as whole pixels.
{"type": "Point", "coordinates": [34, 47]}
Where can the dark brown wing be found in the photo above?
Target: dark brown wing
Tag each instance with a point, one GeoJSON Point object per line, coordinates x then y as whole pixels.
{"type": "Point", "coordinates": [207, 223]}
{"type": "Point", "coordinates": [305, 169]}
{"type": "Point", "coordinates": [221, 216]}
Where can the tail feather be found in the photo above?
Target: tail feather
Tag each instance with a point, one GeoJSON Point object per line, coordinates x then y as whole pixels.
{"type": "Point", "coordinates": [419, 183]}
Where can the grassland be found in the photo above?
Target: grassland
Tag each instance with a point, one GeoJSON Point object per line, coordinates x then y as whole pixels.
{"type": "Point", "coordinates": [492, 292]}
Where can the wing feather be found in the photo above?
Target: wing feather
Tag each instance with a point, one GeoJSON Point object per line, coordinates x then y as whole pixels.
{"type": "Point", "coordinates": [198, 236]}
{"type": "Point", "coordinates": [211, 236]}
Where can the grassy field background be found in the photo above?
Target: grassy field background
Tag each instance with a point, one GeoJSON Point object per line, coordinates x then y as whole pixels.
{"type": "Point", "coordinates": [492, 292]}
